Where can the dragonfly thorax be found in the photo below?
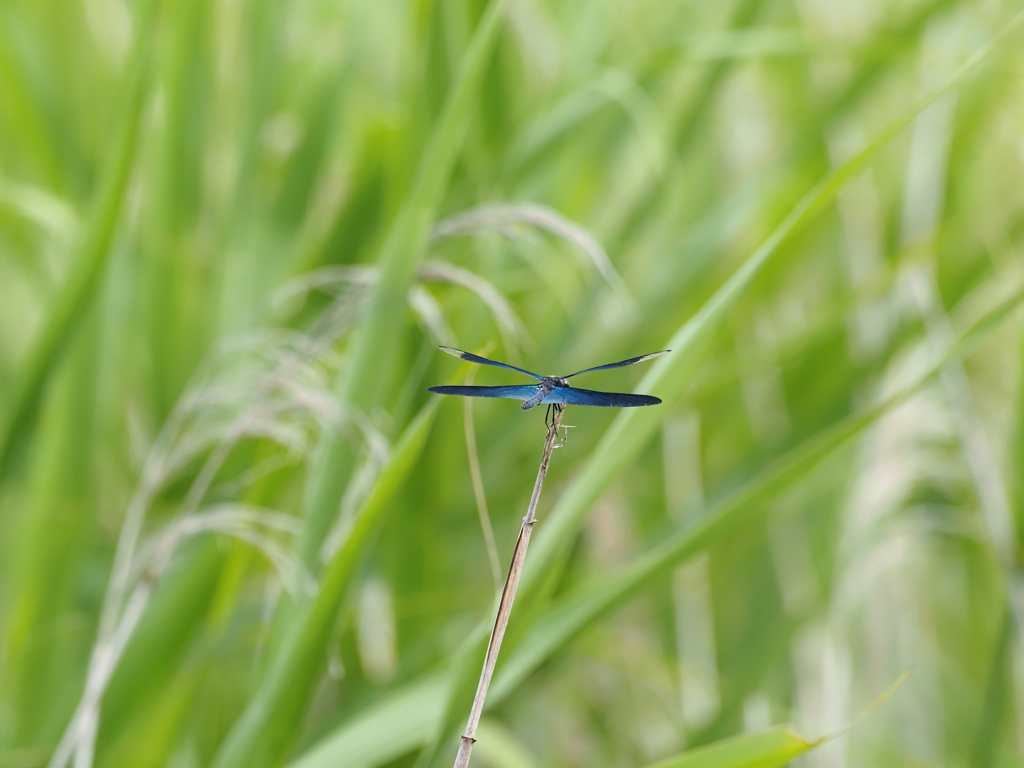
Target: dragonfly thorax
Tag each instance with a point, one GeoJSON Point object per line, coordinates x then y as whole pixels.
{"type": "Point", "coordinates": [555, 381]}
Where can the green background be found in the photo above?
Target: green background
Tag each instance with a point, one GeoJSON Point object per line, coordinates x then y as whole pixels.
{"type": "Point", "coordinates": [236, 531]}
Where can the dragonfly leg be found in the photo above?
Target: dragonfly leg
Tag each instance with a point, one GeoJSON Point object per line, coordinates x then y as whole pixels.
{"type": "Point", "coordinates": [549, 421]}
{"type": "Point", "coordinates": [549, 414]}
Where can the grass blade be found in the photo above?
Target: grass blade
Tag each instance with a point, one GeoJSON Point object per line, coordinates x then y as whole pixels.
{"type": "Point", "coordinates": [373, 345]}
{"type": "Point", "coordinates": [769, 749]}
{"type": "Point", "coordinates": [372, 739]}
{"type": "Point", "coordinates": [93, 253]}
{"type": "Point", "coordinates": [266, 729]}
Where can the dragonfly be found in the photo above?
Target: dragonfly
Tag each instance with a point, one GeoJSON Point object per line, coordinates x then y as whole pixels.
{"type": "Point", "coordinates": [550, 390]}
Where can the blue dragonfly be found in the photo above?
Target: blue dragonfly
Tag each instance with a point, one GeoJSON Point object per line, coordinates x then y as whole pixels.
{"type": "Point", "coordinates": [550, 390]}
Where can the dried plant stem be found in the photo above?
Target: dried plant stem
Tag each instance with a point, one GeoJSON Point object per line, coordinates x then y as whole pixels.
{"type": "Point", "coordinates": [508, 594]}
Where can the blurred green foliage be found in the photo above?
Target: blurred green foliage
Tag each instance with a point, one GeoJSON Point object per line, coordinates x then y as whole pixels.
{"type": "Point", "coordinates": [236, 531]}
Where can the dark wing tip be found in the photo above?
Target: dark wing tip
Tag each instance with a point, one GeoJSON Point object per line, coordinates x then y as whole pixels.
{"type": "Point", "coordinates": [645, 400]}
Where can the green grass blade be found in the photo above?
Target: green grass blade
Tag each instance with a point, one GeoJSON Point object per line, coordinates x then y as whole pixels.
{"type": "Point", "coordinates": [172, 621]}
{"type": "Point", "coordinates": [769, 749]}
{"type": "Point", "coordinates": [500, 747]}
{"type": "Point", "coordinates": [371, 737]}
{"type": "Point", "coordinates": [92, 255]}
{"type": "Point", "coordinates": [463, 676]}
{"type": "Point", "coordinates": [267, 727]}
{"type": "Point", "coordinates": [374, 344]}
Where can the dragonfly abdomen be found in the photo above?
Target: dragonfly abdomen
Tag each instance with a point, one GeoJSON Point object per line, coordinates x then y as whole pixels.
{"type": "Point", "coordinates": [544, 389]}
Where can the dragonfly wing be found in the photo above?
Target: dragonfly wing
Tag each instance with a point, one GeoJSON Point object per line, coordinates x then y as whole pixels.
{"type": "Point", "coordinates": [574, 396]}
{"type": "Point", "coordinates": [620, 364]}
{"type": "Point", "coordinates": [521, 392]}
{"type": "Point", "coordinates": [484, 361]}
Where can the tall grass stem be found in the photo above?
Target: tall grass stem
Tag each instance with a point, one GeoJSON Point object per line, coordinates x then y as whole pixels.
{"type": "Point", "coordinates": [508, 594]}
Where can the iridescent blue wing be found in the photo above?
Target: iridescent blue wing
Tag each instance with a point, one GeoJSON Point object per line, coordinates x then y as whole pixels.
{"type": "Point", "coordinates": [574, 396]}
{"type": "Point", "coordinates": [620, 364]}
{"type": "Point", "coordinates": [521, 392]}
{"type": "Point", "coordinates": [484, 361]}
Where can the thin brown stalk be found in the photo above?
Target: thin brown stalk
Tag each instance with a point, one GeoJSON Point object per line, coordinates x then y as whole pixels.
{"type": "Point", "coordinates": [508, 594]}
